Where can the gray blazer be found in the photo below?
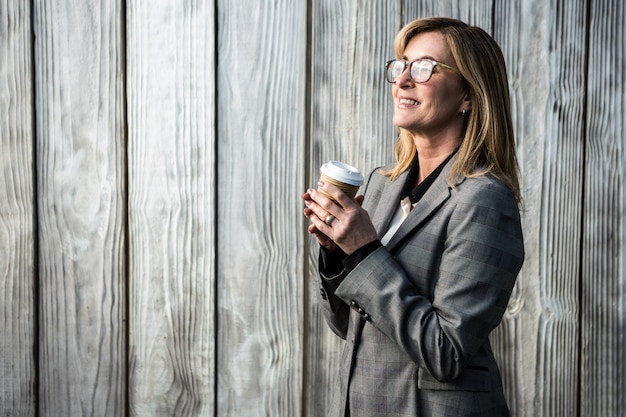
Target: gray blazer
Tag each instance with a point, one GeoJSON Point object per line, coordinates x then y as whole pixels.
{"type": "Point", "coordinates": [416, 314]}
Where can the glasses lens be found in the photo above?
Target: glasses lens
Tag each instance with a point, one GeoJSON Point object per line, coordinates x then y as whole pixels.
{"type": "Point", "coordinates": [421, 70]}
{"type": "Point", "coordinates": [395, 68]}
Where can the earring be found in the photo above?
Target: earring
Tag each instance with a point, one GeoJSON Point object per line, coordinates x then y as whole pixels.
{"type": "Point", "coordinates": [463, 112]}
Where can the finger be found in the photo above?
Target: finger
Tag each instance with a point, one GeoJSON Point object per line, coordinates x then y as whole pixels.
{"type": "Point", "coordinates": [322, 238]}
{"type": "Point", "coordinates": [339, 196]}
{"type": "Point", "coordinates": [322, 229]}
{"type": "Point", "coordinates": [328, 219]}
{"type": "Point", "coordinates": [317, 220]}
{"type": "Point", "coordinates": [315, 228]}
{"type": "Point", "coordinates": [322, 206]}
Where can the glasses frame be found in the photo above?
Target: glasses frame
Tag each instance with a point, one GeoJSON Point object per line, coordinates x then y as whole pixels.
{"type": "Point", "coordinates": [409, 65]}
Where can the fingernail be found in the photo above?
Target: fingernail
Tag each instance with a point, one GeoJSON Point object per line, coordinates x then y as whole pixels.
{"type": "Point", "coordinates": [320, 184]}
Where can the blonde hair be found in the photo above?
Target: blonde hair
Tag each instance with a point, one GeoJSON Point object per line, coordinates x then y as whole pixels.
{"type": "Point", "coordinates": [488, 146]}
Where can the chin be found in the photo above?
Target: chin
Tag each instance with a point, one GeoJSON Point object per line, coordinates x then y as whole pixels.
{"type": "Point", "coordinates": [403, 124]}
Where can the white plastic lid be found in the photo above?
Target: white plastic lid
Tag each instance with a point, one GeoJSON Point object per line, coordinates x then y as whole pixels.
{"type": "Point", "coordinates": [342, 172]}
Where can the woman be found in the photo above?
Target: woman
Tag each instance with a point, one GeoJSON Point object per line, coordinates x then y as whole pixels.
{"type": "Point", "coordinates": [416, 273]}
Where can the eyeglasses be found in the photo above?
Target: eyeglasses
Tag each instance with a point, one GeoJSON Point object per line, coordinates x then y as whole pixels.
{"type": "Point", "coordinates": [420, 70]}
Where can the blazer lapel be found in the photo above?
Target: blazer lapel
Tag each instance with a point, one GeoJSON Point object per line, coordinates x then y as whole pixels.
{"type": "Point", "coordinates": [437, 194]}
{"type": "Point", "coordinates": [388, 204]}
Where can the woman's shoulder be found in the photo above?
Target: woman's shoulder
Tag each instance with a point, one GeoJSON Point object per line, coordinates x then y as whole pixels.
{"type": "Point", "coordinates": [376, 176]}
{"type": "Point", "coordinates": [485, 190]}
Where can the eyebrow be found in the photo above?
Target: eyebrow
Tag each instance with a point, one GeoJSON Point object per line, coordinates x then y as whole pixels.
{"type": "Point", "coordinates": [430, 57]}
{"type": "Point", "coordinates": [421, 57]}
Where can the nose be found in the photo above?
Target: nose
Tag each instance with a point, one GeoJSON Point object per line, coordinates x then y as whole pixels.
{"type": "Point", "coordinates": [404, 78]}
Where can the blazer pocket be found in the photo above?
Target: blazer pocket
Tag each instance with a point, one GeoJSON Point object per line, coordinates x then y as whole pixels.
{"type": "Point", "coordinates": [471, 379]}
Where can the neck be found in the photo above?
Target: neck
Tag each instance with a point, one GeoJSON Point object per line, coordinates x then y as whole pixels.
{"type": "Point", "coordinates": [431, 153]}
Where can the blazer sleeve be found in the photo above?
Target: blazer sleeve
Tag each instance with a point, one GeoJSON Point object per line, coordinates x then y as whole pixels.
{"type": "Point", "coordinates": [331, 274]}
{"type": "Point", "coordinates": [336, 312]}
{"type": "Point", "coordinates": [478, 264]}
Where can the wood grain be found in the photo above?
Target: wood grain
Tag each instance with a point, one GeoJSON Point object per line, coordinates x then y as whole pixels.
{"type": "Point", "coordinates": [603, 318]}
{"type": "Point", "coordinates": [171, 131]}
{"type": "Point", "coordinates": [154, 253]}
{"type": "Point", "coordinates": [261, 120]}
{"type": "Point", "coordinates": [81, 195]}
{"type": "Point", "coordinates": [473, 12]}
{"type": "Point", "coordinates": [17, 220]}
{"type": "Point", "coordinates": [351, 109]}
{"type": "Point", "coordinates": [543, 44]}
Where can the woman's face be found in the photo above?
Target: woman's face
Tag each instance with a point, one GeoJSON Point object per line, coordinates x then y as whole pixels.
{"type": "Point", "coordinates": [432, 108]}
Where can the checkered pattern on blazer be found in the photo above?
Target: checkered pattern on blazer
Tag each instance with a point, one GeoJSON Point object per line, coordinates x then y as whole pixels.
{"type": "Point", "coordinates": [417, 313]}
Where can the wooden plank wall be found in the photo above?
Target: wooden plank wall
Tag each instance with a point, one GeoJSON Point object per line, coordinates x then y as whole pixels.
{"type": "Point", "coordinates": [18, 263]}
{"type": "Point", "coordinates": [544, 44]}
{"type": "Point", "coordinates": [603, 284]}
{"type": "Point", "coordinates": [348, 99]}
{"type": "Point", "coordinates": [154, 255]}
{"type": "Point", "coordinates": [261, 159]}
{"type": "Point", "coordinates": [171, 94]}
{"type": "Point", "coordinates": [81, 234]}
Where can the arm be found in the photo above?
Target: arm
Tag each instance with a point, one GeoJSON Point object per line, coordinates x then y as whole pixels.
{"type": "Point", "coordinates": [477, 263]}
{"type": "Point", "coordinates": [333, 268]}
{"type": "Point", "coordinates": [331, 274]}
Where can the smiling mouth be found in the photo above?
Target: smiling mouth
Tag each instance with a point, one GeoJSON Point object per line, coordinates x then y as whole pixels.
{"type": "Point", "coordinates": [408, 101]}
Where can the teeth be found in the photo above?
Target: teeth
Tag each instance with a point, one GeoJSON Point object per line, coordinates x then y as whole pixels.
{"type": "Point", "coordinates": [408, 101]}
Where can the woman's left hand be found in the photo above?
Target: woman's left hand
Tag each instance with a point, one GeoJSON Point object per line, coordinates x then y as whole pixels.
{"type": "Point", "coordinates": [352, 227]}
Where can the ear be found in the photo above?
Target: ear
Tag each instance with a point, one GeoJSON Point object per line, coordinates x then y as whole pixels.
{"type": "Point", "coordinates": [467, 101]}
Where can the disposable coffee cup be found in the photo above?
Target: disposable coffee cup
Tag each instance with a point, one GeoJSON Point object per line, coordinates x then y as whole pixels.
{"type": "Point", "coordinates": [343, 176]}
